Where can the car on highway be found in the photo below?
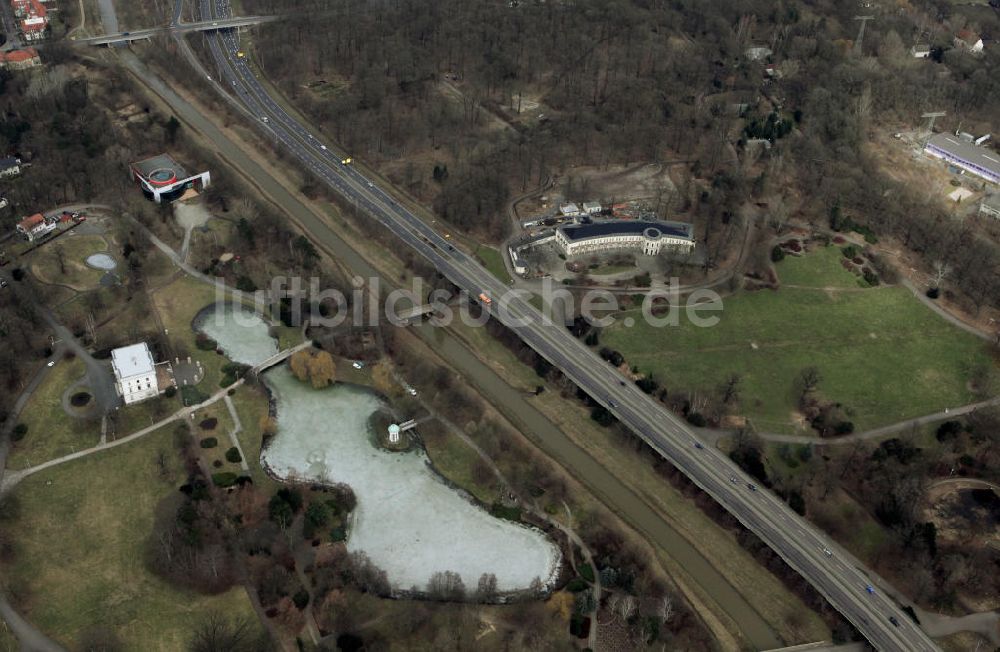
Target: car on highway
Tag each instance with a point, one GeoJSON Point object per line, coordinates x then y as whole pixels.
{"type": "Point", "coordinates": [733, 479]}
{"type": "Point", "coordinates": [3, 283]}
{"type": "Point", "coordinates": [323, 147]}
{"type": "Point", "coordinates": [612, 403]}
{"type": "Point", "coordinates": [698, 445]}
{"type": "Point", "coordinates": [870, 589]}
{"type": "Point", "coordinates": [346, 161]}
{"type": "Point", "coordinates": [894, 620]}
{"type": "Point", "coordinates": [241, 54]}
{"type": "Point", "coordinates": [51, 363]}
{"type": "Point", "coordinates": [827, 552]}
{"type": "Point", "coordinates": [751, 486]}
{"type": "Point", "coordinates": [264, 119]}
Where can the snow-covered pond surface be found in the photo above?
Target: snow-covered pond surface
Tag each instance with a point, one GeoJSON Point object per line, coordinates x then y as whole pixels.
{"type": "Point", "coordinates": [240, 332]}
{"type": "Point", "coordinates": [101, 261]}
{"type": "Point", "coordinates": [407, 520]}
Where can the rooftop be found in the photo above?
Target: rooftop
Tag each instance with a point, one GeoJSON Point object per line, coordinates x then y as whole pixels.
{"type": "Point", "coordinates": [625, 227]}
{"type": "Point", "coordinates": [969, 153]}
{"type": "Point", "coordinates": [9, 162]}
{"type": "Point", "coordinates": [32, 221]}
{"type": "Point", "coordinates": [159, 169]}
{"type": "Point", "coordinates": [992, 201]}
{"type": "Point", "coordinates": [132, 360]}
{"type": "Point", "coordinates": [16, 56]}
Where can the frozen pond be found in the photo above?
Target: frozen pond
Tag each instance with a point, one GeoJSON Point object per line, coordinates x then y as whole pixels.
{"type": "Point", "coordinates": [101, 261]}
{"type": "Point", "coordinates": [407, 520]}
{"type": "Point", "coordinates": [240, 332]}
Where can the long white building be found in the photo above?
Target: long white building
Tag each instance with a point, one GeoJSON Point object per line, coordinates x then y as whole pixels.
{"type": "Point", "coordinates": [135, 373]}
{"type": "Point", "coordinates": [651, 237]}
{"type": "Point", "coordinates": [980, 161]}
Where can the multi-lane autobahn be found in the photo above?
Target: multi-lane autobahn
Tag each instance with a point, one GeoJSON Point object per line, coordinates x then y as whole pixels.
{"type": "Point", "coordinates": [840, 577]}
{"type": "Point", "coordinates": [177, 26]}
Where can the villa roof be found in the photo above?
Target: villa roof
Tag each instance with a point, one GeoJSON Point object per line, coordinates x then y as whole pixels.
{"type": "Point", "coordinates": [625, 227]}
{"type": "Point", "coordinates": [132, 360]}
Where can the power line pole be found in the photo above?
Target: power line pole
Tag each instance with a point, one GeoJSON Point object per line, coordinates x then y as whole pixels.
{"type": "Point", "coordinates": [931, 117]}
{"type": "Point", "coordinates": [861, 33]}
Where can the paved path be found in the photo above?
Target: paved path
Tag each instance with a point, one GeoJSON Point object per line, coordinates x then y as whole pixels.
{"type": "Point", "coordinates": [237, 427]}
{"type": "Point", "coordinates": [714, 435]}
{"type": "Point", "coordinates": [936, 307]}
{"type": "Point", "coordinates": [31, 639]}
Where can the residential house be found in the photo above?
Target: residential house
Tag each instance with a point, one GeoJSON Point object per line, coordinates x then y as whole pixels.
{"type": "Point", "coordinates": [20, 59]}
{"type": "Point", "coordinates": [969, 41]}
{"type": "Point", "coordinates": [990, 206]}
{"type": "Point", "coordinates": [35, 226]}
{"type": "Point", "coordinates": [10, 167]}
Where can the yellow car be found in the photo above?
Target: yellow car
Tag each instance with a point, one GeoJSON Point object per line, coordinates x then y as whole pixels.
{"type": "Point", "coordinates": [346, 161]}
{"type": "Point", "coordinates": [241, 54]}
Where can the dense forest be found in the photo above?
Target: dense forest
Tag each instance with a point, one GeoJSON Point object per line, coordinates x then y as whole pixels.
{"type": "Point", "coordinates": [629, 80]}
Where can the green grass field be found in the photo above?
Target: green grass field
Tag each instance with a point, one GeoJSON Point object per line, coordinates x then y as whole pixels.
{"type": "Point", "coordinates": [178, 303]}
{"type": "Point", "coordinates": [81, 533]}
{"type": "Point", "coordinates": [492, 259]}
{"type": "Point", "coordinates": [52, 432]}
{"type": "Point", "coordinates": [880, 352]}
{"type": "Point", "coordinates": [44, 261]}
{"type": "Point", "coordinates": [818, 269]}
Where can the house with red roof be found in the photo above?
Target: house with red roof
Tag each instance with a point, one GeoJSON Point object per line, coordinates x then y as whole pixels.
{"type": "Point", "coordinates": [969, 41]}
{"type": "Point", "coordinates": [35, 226]}
{"type": "Point", "coordinates": [33, 18]}
{"type": "Point", "coordinates": [20, 59]}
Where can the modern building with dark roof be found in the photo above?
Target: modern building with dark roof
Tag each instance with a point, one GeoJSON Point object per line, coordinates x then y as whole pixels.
{"type": "Point", "coordinates": [980, 161]}
{"type": "Point", "coordinates": [651, 237]}
{"type": "Point", "coordinates": [161, 177]}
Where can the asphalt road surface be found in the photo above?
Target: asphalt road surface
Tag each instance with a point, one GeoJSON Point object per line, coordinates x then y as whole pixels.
{"type": "Point", "coordinates": [841, 578]}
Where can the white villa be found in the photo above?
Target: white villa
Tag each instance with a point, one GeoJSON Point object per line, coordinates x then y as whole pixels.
{"type": "Point", "coordinates": [135, 373]}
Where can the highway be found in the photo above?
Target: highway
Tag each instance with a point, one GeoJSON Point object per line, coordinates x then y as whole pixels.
{"type": "Point", "coordinates": [837, 575]}
{"type": "Point", "coordinates": [177, 26]}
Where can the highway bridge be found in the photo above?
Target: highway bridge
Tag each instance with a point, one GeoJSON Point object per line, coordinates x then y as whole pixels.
{"type": "Point", "coordinates": [855, 591]}
{"type": "Point", "coordinates": [199, 26]}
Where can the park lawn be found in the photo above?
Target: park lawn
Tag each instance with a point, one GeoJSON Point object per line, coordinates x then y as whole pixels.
{"type": "Point", "coordinates": [252, 406]}
{"type": "Point", "coordinates": [81, 536]}
{"type": "Point", "coordinates": [455, 460]}
{"type": "Point", "coordinates": [492, 259]}
{"type": "Point", "coordinates": [880, 352]}
{"type": "Point", "coordinates": [221, 432]}
{"type": "Point", "coordinates": [818, 269]}
{"type": "Point", "coordinates": [76, 248]}
{"type": "Point", "coordinates": [51, 432]}
{"type": "Point", "coordinates": [178, 303]}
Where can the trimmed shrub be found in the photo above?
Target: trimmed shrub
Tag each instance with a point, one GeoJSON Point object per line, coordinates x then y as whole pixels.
{"type": "Point", "coordinates": [217, 463]}
{"type": "Point", "coordinates": [209, 442]}
{"type": "Point", "coordinates": [777, 254]}
{"type": "Point", "coordinates": [933, 293]}
{"type": "Point", "coordinates": [509, 513]}
{"type": "Point", "coordinates": [20, 430]}
{"type": "Point", "coordinates": [233, 455]}
{"type": "Point", "coordinates": [206, 343]}
{"type": "Point", "coordinates": [209, 423]}
{"type": "Point", "coordinates": [170, 392]}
